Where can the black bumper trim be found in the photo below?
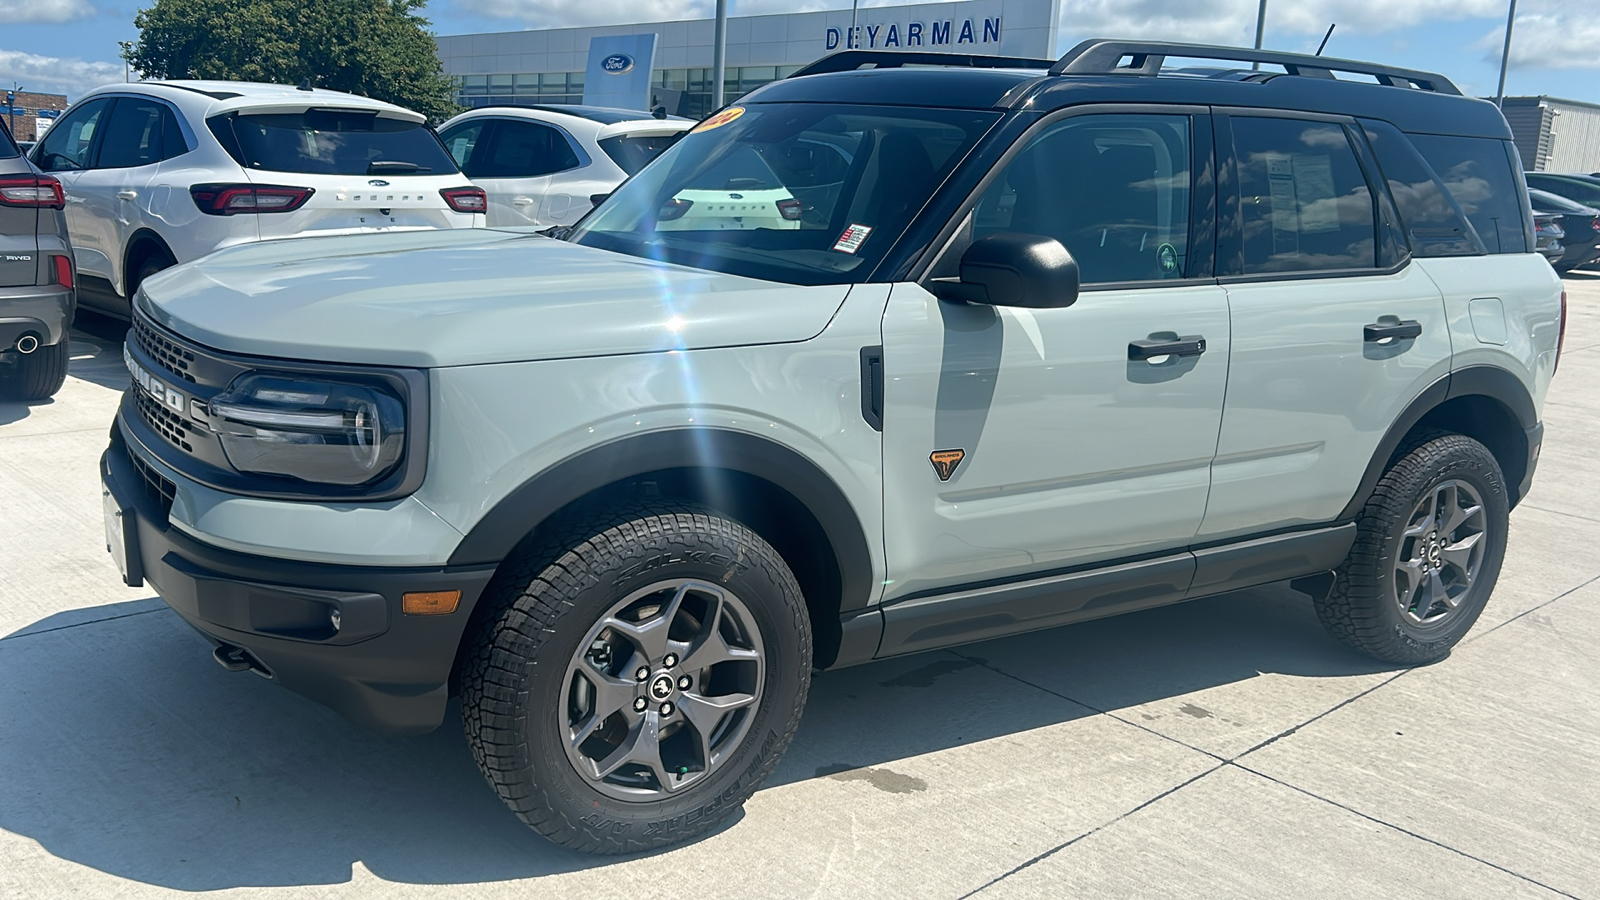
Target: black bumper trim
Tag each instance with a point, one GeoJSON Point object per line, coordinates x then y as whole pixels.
{"type": "Point", "coordinates": [380, 668]}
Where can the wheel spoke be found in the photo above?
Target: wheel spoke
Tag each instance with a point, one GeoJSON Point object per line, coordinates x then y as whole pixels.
{"type": "Point", "coordinates": [610, 695]}
{"type": "Point", "coordinates": [1423, 525]}
{"type": "Point", "coordinates": [706, 713]}
{"type": "Point", "coordinates": [1413, 572]}
{"type": "Point", "coordinates": [1438, 591]}
{"type": "Point", "coordinates": [1460, 554]}
{"type": "Point", "coordinates": [641, 746]}
{"type": "Point", "coordinates": [650, 636]}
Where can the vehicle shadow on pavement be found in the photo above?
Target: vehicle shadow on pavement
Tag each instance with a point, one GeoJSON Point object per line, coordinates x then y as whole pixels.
{"type": "Point", "coordinates": [125, 748]}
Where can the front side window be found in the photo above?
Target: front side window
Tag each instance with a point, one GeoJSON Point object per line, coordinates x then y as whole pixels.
{"type": "Point", "coordinates": [518, 148]}
{"type": "Point", "coordinates": [1304, 201]}
{"type": "Point", "coordinates": [1477, 172]}
{"type": "Point", "coordinates": [69, 143]}
{"type": "Point", "coordinates": [332, 142]}
{"type": "Point", "coordinates": [799, 193]}
{"type": "Point", "coordinates": [1114, 189]}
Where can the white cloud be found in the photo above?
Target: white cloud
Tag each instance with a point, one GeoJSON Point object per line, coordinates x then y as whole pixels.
{"type": "Point", "coordinates": [43, 11]}
{"type": "Point", "coordinates": [50, 74]}
{"type": "Point", "coordinates": [1550, 34]}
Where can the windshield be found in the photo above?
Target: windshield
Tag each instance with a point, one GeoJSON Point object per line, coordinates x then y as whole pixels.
{"type": "Point", "coordinates": [332, 142]}
{"type": "Point", "coordinates": [798, 193]}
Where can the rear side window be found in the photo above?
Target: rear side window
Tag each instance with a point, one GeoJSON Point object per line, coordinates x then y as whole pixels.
{"type": "Point", "coordinates": [1304, 201]}
{"type": "Point", "coordinates": [1573, 189]}
{"type": "Point", "coordinates": [460, 140]}
{"type": "Point", "coordinates": [523, 149]}
{"type": "Point", "coordinates": [1477, 173]}
{"type": "Point", "coordinates": [333, 142]}
{"type": "Point", "coordinates": [631, 151]}
{"type": "Point", "coordinates": [1434, 224]}
{"type": "Point", "coordinates": [139, 133]}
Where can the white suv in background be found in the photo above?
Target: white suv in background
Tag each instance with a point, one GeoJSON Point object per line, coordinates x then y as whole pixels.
{"type": "Point", "coordinates": [546, 165]}
{"type": "Point", "coordinates": [163, 172]}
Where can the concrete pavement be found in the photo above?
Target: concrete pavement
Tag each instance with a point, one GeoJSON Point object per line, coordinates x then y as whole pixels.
{"type": "Point", "coordinates": [1222, 748]}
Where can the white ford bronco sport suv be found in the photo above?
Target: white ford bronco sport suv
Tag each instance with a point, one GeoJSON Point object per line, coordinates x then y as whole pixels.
{"type": "Point", "coordinates": [1031, 343]}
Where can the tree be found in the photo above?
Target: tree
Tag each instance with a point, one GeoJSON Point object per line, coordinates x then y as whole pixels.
{"type": "Point", "coordinates": [377, 48]}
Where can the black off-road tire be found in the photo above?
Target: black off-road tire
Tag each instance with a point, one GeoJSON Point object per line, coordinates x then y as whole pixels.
{"type": "Point", "coordinates": [37, 375]}
{"type": "Point", "coordinates": [539, 608]}
{"type": "Point", "coordinates": [1362, 609]}
{"type": "Point", "coordinates": [155, 262]}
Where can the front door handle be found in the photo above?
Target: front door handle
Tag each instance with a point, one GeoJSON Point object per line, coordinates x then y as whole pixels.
{"type": "Point", "coordinates": [1384, 332]}
{"type": "Point", "coordinates": [127, 195]}
{"type": "Point", "coordinates": [1190, 345]}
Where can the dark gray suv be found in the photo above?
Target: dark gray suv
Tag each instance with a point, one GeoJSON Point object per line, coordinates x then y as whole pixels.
{"type": "Point", "coordinates": [36, 278]}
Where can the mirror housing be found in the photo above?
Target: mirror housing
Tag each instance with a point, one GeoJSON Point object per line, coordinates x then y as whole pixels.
{"type": "Point", "coordinates": [1012, 269]}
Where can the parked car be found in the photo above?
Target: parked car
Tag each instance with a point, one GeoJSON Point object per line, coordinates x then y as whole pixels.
{"type": "Point", "coordinates": [1580, 226]}
{"type": "Point", "coordinates": [162, 172]}
{"type": "Point", "coordinates": [36, 276]}
{"type": "Point", "coordinates": [1029, 363]}
{"type": "Point", "coordinates": [545, 165]}
{"type": "Point", "coordinates": [1547, 232]}
{"type": "Point", "coordinates": [1583, 189]}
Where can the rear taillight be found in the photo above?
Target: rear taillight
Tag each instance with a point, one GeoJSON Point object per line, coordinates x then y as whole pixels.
{"type": "Point", "coordinates": [233, 199]}
{"type": "Point", "coordinates": [32, 190]}
{"type": "Point", "coordinates": [1595, 223]}
{"type": "Point", "coordinates": [1561, 333]}
{"type": "Point", "coordinates": [673, 210]}
{"type": "Point", "coordinates": [790, 209]}
{"type": "Point", "coordinates": [63, 270]}
{"type": "Point", "coordinates": [466, 199]}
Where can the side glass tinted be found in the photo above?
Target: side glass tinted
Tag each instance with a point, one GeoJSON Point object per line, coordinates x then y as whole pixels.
{"type": "Point", "coordinates": [1434, 224]}
{"type": "Point", "coordinates": [68, 143]}
{"type": "Point", "coordinates": [1579, 191]}
{"type": "Point", "coordinates": [133, 134]}
{"type": "Point", "coordinates": [523, 149]}
{"type": "Point", "coordinates": [1305, 203]}
{"type": "Point", "coordinates": [459, 141]}
{"type": "Point", "coordinates": [1114, 189]}
{"type": "Point", "coordinates": [1477, 173]}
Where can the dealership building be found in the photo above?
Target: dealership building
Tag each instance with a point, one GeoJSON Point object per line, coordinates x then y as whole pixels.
{"type": "Point", "coordinates": [670, 63]}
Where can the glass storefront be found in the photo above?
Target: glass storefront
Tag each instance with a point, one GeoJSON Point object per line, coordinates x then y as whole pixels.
{"type": "Point", "coordinates": [567, 87]}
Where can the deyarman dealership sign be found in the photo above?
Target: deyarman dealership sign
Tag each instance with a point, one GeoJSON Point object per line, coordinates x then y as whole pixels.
{"type": "Point", "coordinates": [947, 33]}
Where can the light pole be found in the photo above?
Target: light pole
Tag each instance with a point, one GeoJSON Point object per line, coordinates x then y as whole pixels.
{"type": "Point", "coordinates": [719, 55]}
{"type": "Point", "coordinates": [855, 6]}
{"type": "Point", "coordinates": [1505, 56]}
{"type": "Point", "coordinates": [127, 47]}
{"type": "Point", "coordinates": [11, 106]}
{"type": "Point", "coordinates": [1261, 27]}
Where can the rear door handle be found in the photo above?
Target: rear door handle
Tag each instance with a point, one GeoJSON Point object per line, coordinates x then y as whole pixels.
{"type": "Point", "coordinates": [1190, 345]}
{"type": "Point", "coordinates": [127, 195]}
{"type": "Point", "coordinates": [1384, 332]}
{"type": "Point", "coordinates": [522, 201]}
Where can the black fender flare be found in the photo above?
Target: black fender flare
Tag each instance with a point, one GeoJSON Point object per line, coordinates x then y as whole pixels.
{"type": "Point", "coordinates": [137, 239]}
{"type": "Point", "coordinates": [1486, 381]}
{"type": "Point", "coordinates": [519, 512]}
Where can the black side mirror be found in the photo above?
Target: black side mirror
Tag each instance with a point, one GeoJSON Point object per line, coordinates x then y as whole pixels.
{"type": "Point", "coordinates": [1011, 269]}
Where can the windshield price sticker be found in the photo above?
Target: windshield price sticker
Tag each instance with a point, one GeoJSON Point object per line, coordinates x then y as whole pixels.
{"type": "Point", "coordinates": [719, 120]}
{"type": "Point", "coordinates": [853, 238]}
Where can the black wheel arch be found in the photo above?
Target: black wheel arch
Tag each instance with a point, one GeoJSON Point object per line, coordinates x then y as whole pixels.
{"type": "Point", "coordinates": [1486, 403]}
{"type": "Point", "coordinates": [141, 245]}
{"type": "Point", "coordinates": [769, 487]}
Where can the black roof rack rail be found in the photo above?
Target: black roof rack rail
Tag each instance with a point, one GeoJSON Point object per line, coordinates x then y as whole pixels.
{"type": "Point", "coordinates": [1104, 57]}
{"type": "Point", "coordinates": [850, 60]}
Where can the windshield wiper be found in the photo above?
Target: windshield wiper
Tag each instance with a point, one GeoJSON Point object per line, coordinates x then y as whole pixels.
{"type": "Point", "coordinates": [393, 167]}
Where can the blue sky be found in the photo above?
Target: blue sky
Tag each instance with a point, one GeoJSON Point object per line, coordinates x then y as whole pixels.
{"type": "Point", "coordinates": [71, 45]}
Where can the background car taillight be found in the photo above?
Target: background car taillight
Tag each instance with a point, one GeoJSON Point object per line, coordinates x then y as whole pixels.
{"type": "Point", "coordinates": [232, 199]}
{"type": "Point", "coordinates": [791, 209]}
{"type": "Point", "coordinates": [1561, 333]}
{"type": "Point", "coordinates": [674, 209]}
{"type": "Point", "coordinates": [62, 267]}
{"type": "Point", "coordinates": [466, 199]}
{"type": "Point", "coordinates": [32, 190]}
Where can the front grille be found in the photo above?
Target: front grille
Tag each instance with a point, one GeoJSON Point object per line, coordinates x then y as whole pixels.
{"type": "Point", "coordinates": [164, 421]}
{"type": "Point", "coordinates": [161, 490]}
{"type": "Point", "coordinates": [170, 356]}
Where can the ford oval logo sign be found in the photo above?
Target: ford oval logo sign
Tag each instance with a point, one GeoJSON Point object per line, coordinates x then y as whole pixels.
{"type": "Point", "coordinates": [617, 63]}
{"type": "Point", "coordinates": [378, 182]}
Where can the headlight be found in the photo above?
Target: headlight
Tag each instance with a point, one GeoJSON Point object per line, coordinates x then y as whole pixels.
{"type": "Point", "coordinates": [324, 431]}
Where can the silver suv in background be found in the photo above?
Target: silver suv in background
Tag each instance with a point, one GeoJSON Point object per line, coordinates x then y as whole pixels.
{"type": "Point", "coordinates": [163, 172]}
{"type": "Point", "coordinates": [36, 275]}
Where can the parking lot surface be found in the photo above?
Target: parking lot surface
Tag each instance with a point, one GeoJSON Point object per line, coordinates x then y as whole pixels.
{"type": "Point", "coordinates": [1224, 748]}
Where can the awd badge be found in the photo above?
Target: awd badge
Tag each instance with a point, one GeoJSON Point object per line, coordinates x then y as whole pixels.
{"type": "Point", "coordinates": [945, 462]}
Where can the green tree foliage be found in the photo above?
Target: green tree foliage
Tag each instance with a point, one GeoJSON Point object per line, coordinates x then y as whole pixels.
{"type": "Point", "coordinates": [376, 48]}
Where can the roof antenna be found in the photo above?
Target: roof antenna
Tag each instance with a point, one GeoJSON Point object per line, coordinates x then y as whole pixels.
{"type": "Point", "coordinates": [305, 85]}
{"type": "Point", "coordinates": [1325, 39]}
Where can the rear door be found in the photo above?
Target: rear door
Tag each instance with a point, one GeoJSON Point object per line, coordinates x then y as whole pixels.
{"type": "Point", "coordinates": [115, 191]}
{"type": "Point", "coordinates": [365, 171]}
{"type": "Point", "coordinates": [515, 160]}
{"type": "Point", "coordinates": [1335, 331]}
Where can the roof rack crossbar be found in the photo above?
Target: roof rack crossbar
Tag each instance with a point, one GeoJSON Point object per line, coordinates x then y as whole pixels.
{"type": "Point", "coordinates": [851, 60]}
{"type": "Point", "coordinates": [1104, 57]}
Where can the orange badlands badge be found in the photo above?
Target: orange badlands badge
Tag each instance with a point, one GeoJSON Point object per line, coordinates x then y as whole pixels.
{"type": "Point", "coordinates": [945, 462]}
{"type": "Point", "coordinates": [719, 120]}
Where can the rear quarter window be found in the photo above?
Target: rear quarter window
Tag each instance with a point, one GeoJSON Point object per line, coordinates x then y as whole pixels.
{"type": "Point", "coordinates": [332, 142]}
{"type": "Point", "coordinates": [632, 151]}
{"type": "Point", "coordinates": [1477, 172]}
{"type": "Point", "coordinates": [1434, 224]}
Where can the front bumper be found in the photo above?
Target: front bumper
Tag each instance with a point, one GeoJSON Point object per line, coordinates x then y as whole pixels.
{"type": "Point", "coordinates": [44, 310]}
{"type": "Point", "coordinates": [380, 668]}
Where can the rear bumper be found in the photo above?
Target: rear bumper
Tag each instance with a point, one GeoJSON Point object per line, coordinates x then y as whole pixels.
{"type": "Point", "coordinates": [44, 310]}
{"type": "Point", "coordinates": [1535, 437]}
{"type": "Point", "coordinates": [380, 668]}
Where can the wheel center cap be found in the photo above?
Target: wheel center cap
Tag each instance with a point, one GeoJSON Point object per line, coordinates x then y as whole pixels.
{"type": "Point", "coordinates": [661, 687]}
{"type": "Point", "coordinates": [1433, 550]}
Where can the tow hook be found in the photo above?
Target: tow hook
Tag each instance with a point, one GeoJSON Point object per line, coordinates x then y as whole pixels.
{"type": "Point", "coordinates": [238, 659]}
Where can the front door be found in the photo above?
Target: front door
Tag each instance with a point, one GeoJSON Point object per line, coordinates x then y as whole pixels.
{"type": "Point", "coordinates": [115, 191]}
{"type": "Point", "coordinates": [1019, 442]}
